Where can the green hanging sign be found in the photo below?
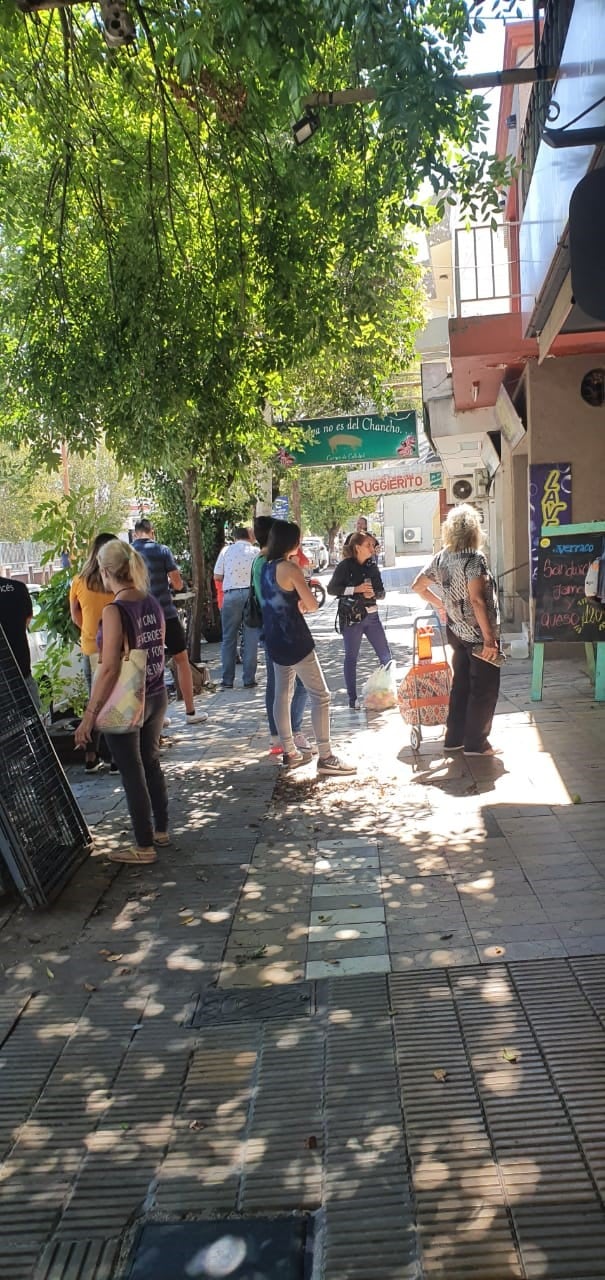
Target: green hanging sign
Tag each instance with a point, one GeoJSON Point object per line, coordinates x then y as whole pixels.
{"type": "Point", "coordinates": [356, 437]}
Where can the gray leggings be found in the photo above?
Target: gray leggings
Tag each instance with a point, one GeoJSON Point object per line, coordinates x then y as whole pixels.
{"type": "Point", "coordinates": [137, 756]}
{"type": "Point", "coordinates": [313, 679]}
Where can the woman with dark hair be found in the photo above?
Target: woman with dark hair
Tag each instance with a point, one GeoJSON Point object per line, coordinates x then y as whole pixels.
{"type": "Point", "coordinates": [357, 579]}
{"type": "Point", "coordinates": [262, 529]}
{"type": "Point", "coordinates": [138, 615]}
{"type": "Point", "coordinates": [87, 600]}
{"type": "Point", "coordinates": [291, 647]}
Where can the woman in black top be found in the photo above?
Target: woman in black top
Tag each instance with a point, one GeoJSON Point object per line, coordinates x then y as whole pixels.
{"type": "Point", "coordinates": [358, 584]}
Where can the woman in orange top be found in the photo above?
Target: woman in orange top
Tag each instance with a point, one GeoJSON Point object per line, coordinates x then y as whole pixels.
{"type": "Point", "coordinates": [87, 600]}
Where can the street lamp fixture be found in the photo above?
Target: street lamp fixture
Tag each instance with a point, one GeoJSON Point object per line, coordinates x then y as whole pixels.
{"type": "Point", "coordinates": [306, 126]}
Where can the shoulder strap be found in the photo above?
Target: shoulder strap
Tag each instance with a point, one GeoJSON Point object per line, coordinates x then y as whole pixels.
{"type": "Point", "coordinates": [126, 627]}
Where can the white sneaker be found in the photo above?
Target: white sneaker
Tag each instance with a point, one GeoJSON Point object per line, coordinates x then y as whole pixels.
{"type": "Point", "coordinates": [195, 717]}
{"type": "Point", "coordinates": [332, 767]}
{"type": "Point", "coordinates": [303, 743]}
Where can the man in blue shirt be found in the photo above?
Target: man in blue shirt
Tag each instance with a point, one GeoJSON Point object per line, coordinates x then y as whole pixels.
{"type": "Point", "coordinates": [164, 573]}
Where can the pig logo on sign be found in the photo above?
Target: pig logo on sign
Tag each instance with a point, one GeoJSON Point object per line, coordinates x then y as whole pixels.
{"type": "Point", "coordinates": [345, 442]}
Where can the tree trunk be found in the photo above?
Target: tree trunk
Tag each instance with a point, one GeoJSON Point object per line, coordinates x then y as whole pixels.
{"type": "Point", "coordinates": [198, 563]}
{"type": "Point", "coordinates": [295, 500]}
{"type": "Point", "coordinates": [332, 531]}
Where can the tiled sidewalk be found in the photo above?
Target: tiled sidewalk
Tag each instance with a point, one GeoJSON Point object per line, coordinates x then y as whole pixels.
{"type": "Point", "coordinates": [435, 1125]}
{"type": "Point", "coordinates": [189, 1038]}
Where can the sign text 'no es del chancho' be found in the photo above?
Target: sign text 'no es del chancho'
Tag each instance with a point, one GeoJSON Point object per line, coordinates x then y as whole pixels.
{"type": "Point", "coordinates": [356, 438]}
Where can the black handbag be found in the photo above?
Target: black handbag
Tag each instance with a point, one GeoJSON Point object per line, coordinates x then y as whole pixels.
{"type": "Point", "coordinates": [253, 614]}
{"type": "Point", "coordinates": [351, 609]}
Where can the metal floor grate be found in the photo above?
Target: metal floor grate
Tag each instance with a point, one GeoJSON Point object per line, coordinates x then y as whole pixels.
{"type": "Point", "coordinates": [245, 1004]}
{"type": "Point", "coordinates": [259, 1248]}
{"type": "Point", "coordinates": [43, 835]}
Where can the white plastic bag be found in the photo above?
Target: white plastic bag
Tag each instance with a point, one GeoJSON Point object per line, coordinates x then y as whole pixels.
{"type": "Point", "coordinates": [591, 581]}
{"type": "Point", "coordinates": [380, 691]}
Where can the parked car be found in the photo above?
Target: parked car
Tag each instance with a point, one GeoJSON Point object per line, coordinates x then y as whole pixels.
{"type": "Point", "coordinates": [316, 551]}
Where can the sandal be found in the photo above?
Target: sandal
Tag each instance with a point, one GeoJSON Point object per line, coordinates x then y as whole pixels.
{"type": "Point", "coordinates": [162, 838]}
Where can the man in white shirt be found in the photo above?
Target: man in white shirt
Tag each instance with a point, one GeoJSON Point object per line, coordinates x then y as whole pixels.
{"type": "Point", "coordinates": [234, 568]}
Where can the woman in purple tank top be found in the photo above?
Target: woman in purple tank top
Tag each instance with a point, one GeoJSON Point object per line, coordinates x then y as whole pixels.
{"type": "Point", "coordinates": [136, 754]}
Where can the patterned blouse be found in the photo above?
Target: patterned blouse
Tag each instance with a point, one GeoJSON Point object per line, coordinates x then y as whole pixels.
{"type": "Point", "coordinates": [452, 571]}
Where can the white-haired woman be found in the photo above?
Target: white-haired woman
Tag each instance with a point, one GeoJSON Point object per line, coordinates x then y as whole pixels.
{"type": "Point", "coordinates": [138, 614]}
{"type": "Point", "coordinates": [473, 629]}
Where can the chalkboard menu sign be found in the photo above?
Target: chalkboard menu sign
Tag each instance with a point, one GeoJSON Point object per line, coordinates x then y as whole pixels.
{"type": "Point", "coordinates": [562, 610]}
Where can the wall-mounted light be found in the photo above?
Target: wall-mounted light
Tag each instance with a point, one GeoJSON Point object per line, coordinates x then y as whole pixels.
{"type": "Point", "coordinates": [475, 387]}
{"type": "Point", "coordinates": [305, 127]}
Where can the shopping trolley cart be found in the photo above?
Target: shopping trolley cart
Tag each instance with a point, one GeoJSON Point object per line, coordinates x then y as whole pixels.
{"type": "Point", "coordinates": [424, 692]}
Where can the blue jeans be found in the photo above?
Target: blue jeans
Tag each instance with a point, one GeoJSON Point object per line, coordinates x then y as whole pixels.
{"type": "Point", "coordinates": [231, 616]}
{"type": "Point", "coordinates": [297, 706]}
{"type": "Point", "coordinates": [372, 628]}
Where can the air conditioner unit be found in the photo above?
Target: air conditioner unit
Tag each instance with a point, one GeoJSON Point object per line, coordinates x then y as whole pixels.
{"type": "Point", "coordinates": [467, 488]}
{"type": "Point", "coordinates": [412, 534]}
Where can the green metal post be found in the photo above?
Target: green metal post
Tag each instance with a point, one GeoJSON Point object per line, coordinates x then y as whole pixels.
{"type": "Point", "coordinates": [537, 673]}
{"type": "Point", "coordinates": [599, 682]}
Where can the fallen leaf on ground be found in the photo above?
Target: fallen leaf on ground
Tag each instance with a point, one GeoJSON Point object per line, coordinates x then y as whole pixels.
{"type": "Point", "coordinates": [440, 1074]}
{"type": "Point", "coordinates": [498, 951]}
{"type": "Point", "coordinates": [104, 952]}
{"type": "Point", "coordinates": [445, 937]}
{"type": "Point", "coordinates": [510, 1055]}
{"type": "Point", "coordinates": [311, 1142]}
{"type": "Point", "coordinates": [246, 957]}
{"type": "Point", "coordinates": [89, 987]}
{"type": "Point", "coordinates": [125, 970]}
{"type": "Point", "coordinates": [49, 973]}
{"type": "Point", "coordinates": [196, 1125]}
{"type": "Point", "coordinates": [112, 956]}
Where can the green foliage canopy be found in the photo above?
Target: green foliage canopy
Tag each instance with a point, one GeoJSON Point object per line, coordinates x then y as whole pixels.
{"type": "Point", "coordinates": [167, 256]}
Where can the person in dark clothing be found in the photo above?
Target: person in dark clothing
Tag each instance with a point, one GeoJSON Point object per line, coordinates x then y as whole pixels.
{"type": "Point", "coordinates": [473, 629]}
{"type": "Point", "coordinates": [16, 612]}
{"type": "Point", "coordinates": [358, 577]}
{"type": "Point", "coordinates": [164, 573]}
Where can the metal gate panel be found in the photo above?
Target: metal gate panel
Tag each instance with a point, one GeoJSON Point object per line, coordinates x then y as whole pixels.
{"type": "Point", "coordinates": [43, 835]}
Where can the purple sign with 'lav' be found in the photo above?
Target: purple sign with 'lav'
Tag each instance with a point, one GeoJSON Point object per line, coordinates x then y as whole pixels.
{"type": "Point", "coordinates": [549, 504]}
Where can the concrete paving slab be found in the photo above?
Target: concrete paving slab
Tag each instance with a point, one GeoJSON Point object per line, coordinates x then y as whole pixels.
{"type": "Point", "coordinates": [432, 958]}
{"type": "Point", "coordinates": [344, 932]}
{"type": "Point", "coordinates": [114, 1107]}
{"type": "Point", "coordinates": [348, 967]}
{"type": "Point", "coordinates": [356, 916]}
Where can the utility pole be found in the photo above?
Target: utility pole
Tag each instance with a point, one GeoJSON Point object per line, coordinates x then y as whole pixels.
{"type": "Point", "coordinates": [484, 80]}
